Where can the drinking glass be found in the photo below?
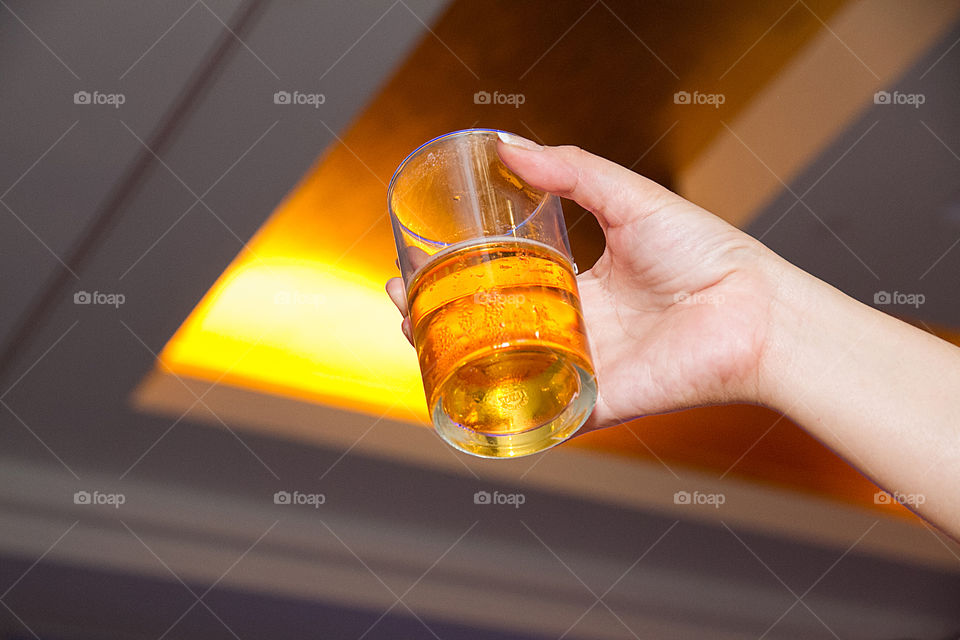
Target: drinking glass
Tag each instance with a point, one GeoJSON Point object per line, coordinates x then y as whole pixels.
{"type": "Point", "coordinates": [492, 293]}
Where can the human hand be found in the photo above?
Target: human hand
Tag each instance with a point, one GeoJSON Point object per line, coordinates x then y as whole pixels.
{"type": "Point", "coordinates": [678, 308]}
{"type": "Point", "coordinates": [683, 309]}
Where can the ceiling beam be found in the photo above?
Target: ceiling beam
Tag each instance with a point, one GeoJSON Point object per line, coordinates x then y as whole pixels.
{"type": "Point", "coordinates": [863, 49]}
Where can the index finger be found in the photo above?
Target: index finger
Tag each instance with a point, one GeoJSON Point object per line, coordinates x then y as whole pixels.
{"type": "Point", "coordinates": [614, 194]}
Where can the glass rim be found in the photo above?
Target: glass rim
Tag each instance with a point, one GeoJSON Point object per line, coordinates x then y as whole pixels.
{"type": "Point", "coordinates": [416, 152]}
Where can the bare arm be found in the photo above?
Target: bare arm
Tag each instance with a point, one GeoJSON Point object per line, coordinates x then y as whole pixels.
{"type": "Point", "coordinates": [684, 310]}
{"type": "Point", "coordinates": [879, 392]}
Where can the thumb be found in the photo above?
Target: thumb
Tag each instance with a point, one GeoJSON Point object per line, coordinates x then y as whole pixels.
{"type": "Point", "coordinates": [614, 194]}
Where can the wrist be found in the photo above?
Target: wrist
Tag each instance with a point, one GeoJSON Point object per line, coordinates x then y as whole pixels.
{"type": "Point", "coordinates": [804, 318]}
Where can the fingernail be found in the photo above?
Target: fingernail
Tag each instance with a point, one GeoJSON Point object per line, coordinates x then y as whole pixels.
{"type": "Point", "coordinates": [517, 141]}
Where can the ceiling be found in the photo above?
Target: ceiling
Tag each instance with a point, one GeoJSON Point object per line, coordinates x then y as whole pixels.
{"type": "Point", "coordinates": [154, 199]}
{"type": "Point", "coordinates": [329, 238]}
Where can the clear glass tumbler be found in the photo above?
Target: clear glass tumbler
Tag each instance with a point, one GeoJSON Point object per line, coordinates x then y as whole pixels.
{"type": "Point", "coordinates": [493, 299]}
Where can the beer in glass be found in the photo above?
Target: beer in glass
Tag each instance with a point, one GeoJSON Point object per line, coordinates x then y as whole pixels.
{"type": "Point", "coordinates": [492, 294]}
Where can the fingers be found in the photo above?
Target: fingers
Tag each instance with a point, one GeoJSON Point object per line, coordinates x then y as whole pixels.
{"type": "Point", "coordinates": [417, 257]}
{"type": "Point", "coordinates": [614, 194]}
{"type": "Point", "coordinates": [398, 295]}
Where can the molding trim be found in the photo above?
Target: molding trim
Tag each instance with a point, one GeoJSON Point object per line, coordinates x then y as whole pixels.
{"type": "Point", "coordinates": [866, 47]}
{"type": "Point", "coordinates": [602, 478]}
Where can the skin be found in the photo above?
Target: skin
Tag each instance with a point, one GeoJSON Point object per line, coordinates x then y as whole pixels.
{"type": "Point", "coordinates": [685, 310]}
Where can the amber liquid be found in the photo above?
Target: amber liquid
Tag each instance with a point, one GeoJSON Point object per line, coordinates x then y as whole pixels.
{"type": "Point", "coordinates": [500, 337]}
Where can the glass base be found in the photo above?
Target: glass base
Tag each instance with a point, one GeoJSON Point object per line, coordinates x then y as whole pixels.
{"type": "Point", "coordinates": [487, 409]}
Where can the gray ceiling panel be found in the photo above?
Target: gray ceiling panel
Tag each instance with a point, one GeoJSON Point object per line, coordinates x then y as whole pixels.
{"type": "Point", "coordinates": [79, 369]}
{"type": "Point", "coordinates": [64, 157]}
{"type": "Point", "coordinates": [880, 199]}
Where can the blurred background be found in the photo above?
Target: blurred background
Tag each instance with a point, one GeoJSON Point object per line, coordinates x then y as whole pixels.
{"type": "Point", "coordinates": [212, 427]}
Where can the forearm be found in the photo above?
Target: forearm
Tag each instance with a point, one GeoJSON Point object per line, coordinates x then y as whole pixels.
{"type": "Point", "coordinates": [881, 393]}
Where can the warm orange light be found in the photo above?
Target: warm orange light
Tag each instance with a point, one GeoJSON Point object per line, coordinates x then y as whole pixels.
{"type": "Point", "coordinates": [302, 313]}
{"type": "Point", "coordinates": [297, 326]}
